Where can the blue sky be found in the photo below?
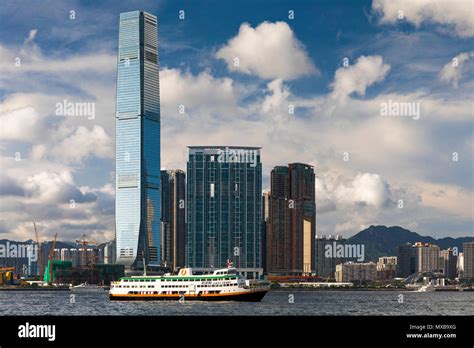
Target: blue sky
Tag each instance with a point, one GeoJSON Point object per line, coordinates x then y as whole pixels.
{"type": "Point", "coordinates": [337, 107]}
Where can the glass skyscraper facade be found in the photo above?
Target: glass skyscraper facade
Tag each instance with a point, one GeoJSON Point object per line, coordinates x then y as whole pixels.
{"type": "Point", "coordinates": [137, 204]}
{"type": "Point", "coordinates": [224, 207]}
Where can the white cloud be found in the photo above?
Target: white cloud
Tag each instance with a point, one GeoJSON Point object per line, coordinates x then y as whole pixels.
{"type": "Point", "coordinates": [270, 51]}
{"type": "Point", "coordinates": [275, 105]}
{"type": "Point", "coordinates": [32, 60]}
{"type": "Point", "coordinates": [452, 71]}
{"type": "Point", "coordinates": [183, 88]}
{"type": "Point", "coordinates": [18, 124]}
{"type": "Point", "coordinates": [38, 151]}
{"type": "Point", "coordinates": [447, 198]}
{"type": "Point", "coordinates": [366, 188]}
{"type": "Point", "coordinates": [457, 15]}
{"type": "Point", "coordinates": [279, 93]}
{"type": "Point", "coordinates": [83, 143]}
{"type": "Point", "coordinates": [55, 187]}
{"type": "Point", "coordinates": [31, 36]}
{"type": "Point", "coordinates": [366, 71]}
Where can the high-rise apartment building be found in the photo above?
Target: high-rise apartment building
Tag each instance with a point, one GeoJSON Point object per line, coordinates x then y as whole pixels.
{"type": "Point", "coordinates": [448, 263]}
{"type": "Point", "coordinates": [137, 203]}
{"type": "Point", "coordinates": [325, 262]}
{"type": "Point", "coordinates": [265, 222]}
{"type": "Point", "coordinates": [290, 242]}
{"type": "Point", "coordinates": [427, 257]}
{"type": "Point", "coordinates": [405, 260]}
{"type": "Point", "coordinates": [468, 255]}
{"type": "Point", "coordinates": [173, 218]}
{"type": "Point", "coordinates": [224, 207]}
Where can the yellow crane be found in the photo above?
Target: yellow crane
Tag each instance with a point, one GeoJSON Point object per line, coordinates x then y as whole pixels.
{"type": "Point", "coordinates": [39, 251]}
{"type": "Point", "coordinates": [85, 241]}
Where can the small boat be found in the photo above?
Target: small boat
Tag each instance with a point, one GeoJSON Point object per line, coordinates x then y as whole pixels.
{"type": "Point", "coordinates": [84, 287]}
{"type": "Point", "coordinates": [426, 288]}
{"type": "Point", "coordinates": [221, 285]}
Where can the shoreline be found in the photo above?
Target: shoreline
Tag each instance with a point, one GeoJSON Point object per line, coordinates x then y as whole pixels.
{"type": "Point", "coordinates": [34, 289]}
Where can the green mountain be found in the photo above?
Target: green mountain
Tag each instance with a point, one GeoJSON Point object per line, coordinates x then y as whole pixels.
{"type": "Point", "coordinates": [383, 241]}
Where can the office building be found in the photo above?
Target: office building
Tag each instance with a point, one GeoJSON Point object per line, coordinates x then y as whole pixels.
{"type": "Point", "coordinates": [224, 207]}
{"type": "Point", "coordinates": [290, 242]}
{"type": "Point", "coordinates": [173, 195]}
{"type": "Point", "coordinates": [137, 203]}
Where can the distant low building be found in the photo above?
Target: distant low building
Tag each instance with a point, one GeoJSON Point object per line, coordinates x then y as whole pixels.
{"type": "Point", "coordinates": [356, 272]}
{"type": "Point", "coordinates": [460, 265]}
{"type": "Point", "coordinates": [110, 253]}
{"type": "Point", "coordinates": [386, 267]}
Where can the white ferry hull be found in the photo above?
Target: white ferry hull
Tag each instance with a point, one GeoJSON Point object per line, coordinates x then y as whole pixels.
{"type": "Point", "coordinates": [247, 296]}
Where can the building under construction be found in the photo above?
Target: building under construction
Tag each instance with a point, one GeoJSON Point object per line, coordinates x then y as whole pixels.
{"type": "Point", "coordinates": [64, 273]}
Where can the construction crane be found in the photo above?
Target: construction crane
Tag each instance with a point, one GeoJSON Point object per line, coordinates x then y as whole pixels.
{"type": "Point", "coordinates": [51, 255]}
{"type": "Point", "coordinates": [39, 251]}
{"type": "Point", "coordinates": [85, 241]}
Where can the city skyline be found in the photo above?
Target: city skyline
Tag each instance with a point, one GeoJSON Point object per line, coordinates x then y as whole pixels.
{"type": "Point", "coordinates": [64, 175]}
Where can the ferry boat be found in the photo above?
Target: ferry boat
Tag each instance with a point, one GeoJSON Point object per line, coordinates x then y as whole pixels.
{"type": "Point", "coordinates": [221, 285]}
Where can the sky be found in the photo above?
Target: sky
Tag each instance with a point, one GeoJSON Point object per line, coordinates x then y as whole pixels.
{"type": "Point", "coordinates": [376, 95]}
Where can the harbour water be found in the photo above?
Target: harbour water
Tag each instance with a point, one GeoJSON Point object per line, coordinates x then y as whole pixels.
{"type": "Point", "coordinates": [282, 302]}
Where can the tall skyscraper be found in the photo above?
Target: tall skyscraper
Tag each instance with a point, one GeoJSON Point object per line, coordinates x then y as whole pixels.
{"type": "Point", "coordinates": [290, 244]}
{"type": "Point", "coordinates": [137, 203]}
{"type": "Point", "coordinates": [468, 255]}
{"type": "Point", "coordinates": [406, 260]}
{"type": "Point", "coordinates": [173, 218]}
{"type": "Point", "coordinates": [224, 206]}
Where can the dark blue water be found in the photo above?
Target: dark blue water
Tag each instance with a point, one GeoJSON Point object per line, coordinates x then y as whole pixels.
{"type": "Point", "coordinates": [274, 303]}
